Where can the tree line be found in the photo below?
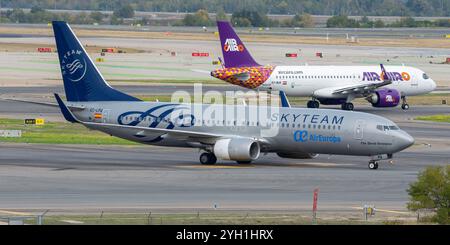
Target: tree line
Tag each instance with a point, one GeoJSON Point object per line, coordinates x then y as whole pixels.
{"type": "Point", "coordinates": [244, 18]}
{"type": "Point", "coordinates": [315, 7]}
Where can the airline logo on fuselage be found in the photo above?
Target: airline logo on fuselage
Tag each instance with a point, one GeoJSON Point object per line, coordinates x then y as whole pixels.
{"type": "Point", "coordinates": [303, 136]}
{"type": "Point", "coordinates": [394, 76]}
{"type": "Point", "coordinates": [231, 45]}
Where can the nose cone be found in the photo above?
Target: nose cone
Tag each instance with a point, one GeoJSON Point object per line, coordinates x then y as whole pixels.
{"type": "Point", "coordinates": [433, 85]}
{"type": "Point", "coordinates": [404, 141]}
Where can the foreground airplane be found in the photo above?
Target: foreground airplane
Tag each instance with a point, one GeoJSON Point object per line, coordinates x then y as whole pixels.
{"type": "Point", "coordinates": [328, 85]}
{"type": "Point", "coordinates": [300, 133]}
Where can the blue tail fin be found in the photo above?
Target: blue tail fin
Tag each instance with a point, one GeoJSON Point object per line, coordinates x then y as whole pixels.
{"type": "Point", "coordinates": [82, 80]}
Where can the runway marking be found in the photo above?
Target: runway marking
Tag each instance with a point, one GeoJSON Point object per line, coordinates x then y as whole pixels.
{"type": "Point", "coordinates": [14, 213]}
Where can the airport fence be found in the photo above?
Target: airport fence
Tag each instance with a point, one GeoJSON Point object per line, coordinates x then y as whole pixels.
{"type": "Point", "coordinates": [218, 217]}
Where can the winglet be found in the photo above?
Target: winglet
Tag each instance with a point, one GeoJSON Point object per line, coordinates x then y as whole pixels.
{"type": "Point", "coordinates": [65, 111]}
{"type": "Point", "coordinates": [384, 74]}
{"type": "Point", "coordinates": [284, 100]}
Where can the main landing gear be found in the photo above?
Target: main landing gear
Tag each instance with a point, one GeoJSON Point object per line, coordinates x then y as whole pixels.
{"type": "Point", "coordinates": [405, 105]}
{"type": "Point", "coordinates": [347, 106]}
{"type": "Point", "coordinates": [208, 158]}
{"type": "Point", "coordinates": [313, 104]}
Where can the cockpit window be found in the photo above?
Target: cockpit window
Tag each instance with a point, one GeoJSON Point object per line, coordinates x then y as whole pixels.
{"type": "Point", "coordinates": [393, 128]}
{"type": "Point", "coordinates": [387, 127]}
{"type": "Point", "coordinates": [425, 76]}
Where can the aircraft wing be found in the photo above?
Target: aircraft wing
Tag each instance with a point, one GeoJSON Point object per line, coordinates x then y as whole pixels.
{"type": "Point", "coordinates": [366, 88]}
{"type": "Point", "coordinates": [360, 88]}
{"type": "Point", "coordinates": [143, 131]}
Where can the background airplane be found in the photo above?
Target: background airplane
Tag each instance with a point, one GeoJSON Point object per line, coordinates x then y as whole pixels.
{"type": "Point", "coordinates": [328, 85]}
{"type": "Point", "coordinates": [302, 132]}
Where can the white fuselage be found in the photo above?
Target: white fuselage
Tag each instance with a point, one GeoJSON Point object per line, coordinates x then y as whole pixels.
{"type": "Point", "coordinates": [315, 81]}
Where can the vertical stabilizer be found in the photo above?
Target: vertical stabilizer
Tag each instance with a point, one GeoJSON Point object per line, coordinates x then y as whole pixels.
{"type": "Point", "coordinates": [235, 53]}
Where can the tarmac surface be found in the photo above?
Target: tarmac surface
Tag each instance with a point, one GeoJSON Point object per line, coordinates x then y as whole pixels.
{"type": "Point", "coordinates": [78, 177]}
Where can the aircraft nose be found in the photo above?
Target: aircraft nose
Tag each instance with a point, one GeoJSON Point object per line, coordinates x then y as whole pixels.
{"type": "Point", "coordinates": [405, 140]}
{"type": "Point", "coordinates": [433, 85]}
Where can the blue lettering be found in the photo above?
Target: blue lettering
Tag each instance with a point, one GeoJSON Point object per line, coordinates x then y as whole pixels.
{"type": "Point", "coordinates": [314, 119]}
{"type": "Point", "coordinates": [274, 117]}
{"type": "Point", "coordinates": [284, 116]}
{"type": "Point", "coordinates": [296, 116]}
{"type": "Point", "coordinates": [335, 120]}
{"type": "Point", "coordinates": [304, 117]}
{"type": "Point", "coordinates": [324, 119]}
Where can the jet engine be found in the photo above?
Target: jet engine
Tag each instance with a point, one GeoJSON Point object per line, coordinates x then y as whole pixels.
{"type": "Point", "coordinates": [237, 149]}
{"type": "Point", "coordinates": [384, 98]}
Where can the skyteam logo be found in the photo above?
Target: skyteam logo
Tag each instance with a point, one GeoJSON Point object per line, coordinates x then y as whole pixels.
{"type": "Point", "coordinates": [303, 136]}
{"type": "Point", "coordinates": [73, 65]}
{"type": "Point", "coordinates": [231, 45]}
{"type": "Point", "coordinates": [166, 116]}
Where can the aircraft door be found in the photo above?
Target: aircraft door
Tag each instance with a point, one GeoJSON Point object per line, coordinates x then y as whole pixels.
{"type": "Point", "coordinates": [414, 81]}
{"type": "Point", "coordinates": [105, 115]}
{"type": "Point", "coordinates": [359, 130]}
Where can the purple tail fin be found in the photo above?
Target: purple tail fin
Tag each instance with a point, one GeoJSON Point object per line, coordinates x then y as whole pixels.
{"type": "Point", "coordinates": [235, 54]}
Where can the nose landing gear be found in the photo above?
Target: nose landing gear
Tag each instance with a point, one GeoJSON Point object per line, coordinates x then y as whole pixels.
{"type": "Point", "coordinates": [405, 105]}
{"type": "Point", "coordinates": [373, 165]}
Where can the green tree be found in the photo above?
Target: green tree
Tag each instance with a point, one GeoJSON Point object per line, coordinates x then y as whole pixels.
{"type": "Point", "coordinates": [432, 191]}
{"type": "Point", "coordinates": [96, 16]}
{"type": "Point", "coordinates": [379, 24]}
{"type": "Point", "coordinates": [342, 21]}
{"type": "Point", "coordinates": [125, 11]}
{"type": "Point", "coordinates": [200, 18]}
{"type": "Point", "coordinates": [256, 18]}
{"type": "Point", "coordinates": [36, 9]}
{"type": "Point", "coordinates": [241, 21]}
{"type": "Point", "coordinates": [220, 15]}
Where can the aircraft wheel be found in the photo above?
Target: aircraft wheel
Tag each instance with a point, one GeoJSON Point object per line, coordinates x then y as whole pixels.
{"type": "Point", "coordinates": [373, 165]}
{"type": "Point", "coordinates": [348, 106]}
{"type": "Point", "coordinates": [244, 162]}
{"type": "Point", "coordinates": [405, 107]}
{"type": "Point", "coordinates": [208, 158]}
{"type": "Point", "coordinates": [313, 104]}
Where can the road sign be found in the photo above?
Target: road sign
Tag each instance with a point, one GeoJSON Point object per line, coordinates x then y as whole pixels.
{"type": "Point", "coordinates": [30, 121]}
{"type": "Point", "coordinates": [40, 121]}
{"type": "Point", "coordinates": [35, 121]}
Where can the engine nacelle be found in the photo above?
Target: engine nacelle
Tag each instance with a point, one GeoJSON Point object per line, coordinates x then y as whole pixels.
{"type": "Point", "coordinates": [385, 98]}
{"type": "Point", "coordinates": [237, 149]}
